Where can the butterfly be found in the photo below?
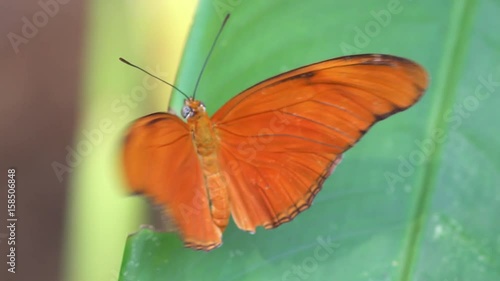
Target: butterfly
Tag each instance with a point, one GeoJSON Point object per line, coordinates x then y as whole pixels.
{"type": "Point", "coordinates": [265, 154]}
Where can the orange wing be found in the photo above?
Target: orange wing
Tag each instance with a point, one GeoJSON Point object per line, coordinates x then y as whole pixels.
{"type": "Point", "coordinates": [161, 162]}
{"type": "Point", "coordinates": [282, 138]}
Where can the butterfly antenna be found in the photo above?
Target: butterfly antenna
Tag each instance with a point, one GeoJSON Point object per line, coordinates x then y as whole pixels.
{"type": "Point", "coordinates": [210, 53]}
{"type": "Point", "coordinates": [141, 69]}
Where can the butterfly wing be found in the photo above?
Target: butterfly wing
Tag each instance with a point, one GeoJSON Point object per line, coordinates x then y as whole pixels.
{"type": "Point", "coordinates": [282, 138]}
{"type": "Point", "coordinates": [160, 161]}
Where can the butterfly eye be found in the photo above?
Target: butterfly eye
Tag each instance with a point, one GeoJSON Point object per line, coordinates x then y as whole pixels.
{"type": "Point", "coordinates": [187, 112]}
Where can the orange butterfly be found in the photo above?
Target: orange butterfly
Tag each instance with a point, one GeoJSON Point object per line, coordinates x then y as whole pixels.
{"type": "Point", "coordinates": [265, 154]}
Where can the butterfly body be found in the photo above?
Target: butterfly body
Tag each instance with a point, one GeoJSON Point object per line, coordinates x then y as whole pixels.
{"type": "Point", "coordinates": [206, 143]}
{"type": "Point", "coordinates": [265, 154]}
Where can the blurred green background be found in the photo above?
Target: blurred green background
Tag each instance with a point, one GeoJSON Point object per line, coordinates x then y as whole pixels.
{"type": "Point", "coordinates": [417, 199]}
{"type": "Point", "coordinates": [150, 34]}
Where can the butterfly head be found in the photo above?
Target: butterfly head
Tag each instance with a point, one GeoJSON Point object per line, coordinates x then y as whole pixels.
{"type": "Point", "coordinates": [192, 107]}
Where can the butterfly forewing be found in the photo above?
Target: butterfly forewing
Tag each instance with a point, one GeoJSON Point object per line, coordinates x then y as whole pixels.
{"type": "Point", "coordinates": [161, 162]}
{"type": "Point", "coordinates": [281, 138]}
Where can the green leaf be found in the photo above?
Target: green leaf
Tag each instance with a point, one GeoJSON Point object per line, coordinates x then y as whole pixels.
{"type": "Point", "coordinates": [417, 199]}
